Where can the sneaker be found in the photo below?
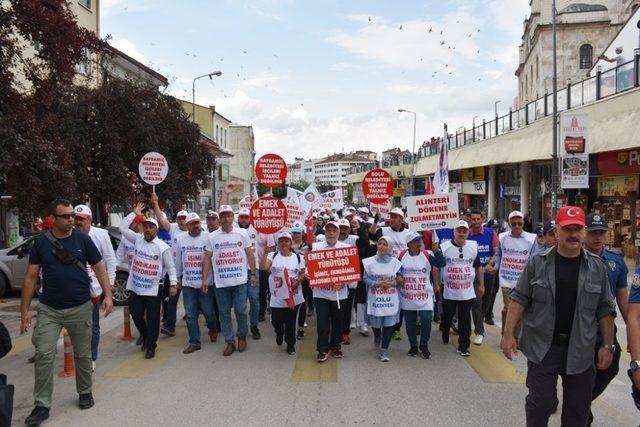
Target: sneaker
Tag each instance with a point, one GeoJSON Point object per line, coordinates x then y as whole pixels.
{"type": "Point", "coordinates": [37, 416]}
{"type": "Point", "coordinates": [489, 321]}
{"type": "Point", "coordinates": [322, 356]}
{"type": "Point", "coordinates": [397, 335]}
{"type": "Point", "coordinates": [426, 354]}
{"type": "Point", "coordinates": [345, 339]}
{"type": "Point", "coordinates": [255, 333]}
{"type": "Point", "coordinates": [85, 401]}
{"type": "Point", "coordinates": [478, 340]}
{"type": "Point", "coordinates": [364, 330]}
{"type": "Point", "coordinates": [167, 332]}
{"type": "Point", "coordinates": [93, 366]}
{"type": "Point", "coordinates": [300, 334]}
{"type": "Point", "coordinates": [384, 356]}
{"type": "Point", "coordinates": [337, 353]}
{"type": "Point", "coordinates": [280, 338]}
{"type": "Point", "coordinates": [291, 350]}
{"type": "Point", "coordinates": [352, 325]}
{"type": "Point", "coordinates": [445, 338]}
{"type": "Point", "coordinates": [464, 353]}
{"type": "Point", "coordinates": [413, 352]}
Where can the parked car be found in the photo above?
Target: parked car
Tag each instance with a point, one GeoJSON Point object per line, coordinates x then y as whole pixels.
{"type": "Point", "coordinates": [14, 261]}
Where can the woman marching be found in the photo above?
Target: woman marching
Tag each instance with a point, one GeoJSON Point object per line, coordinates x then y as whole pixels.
{"type": "Point", "coordinates": [382, 275]}
{"type": "Point", "coordinates": [287, 270]}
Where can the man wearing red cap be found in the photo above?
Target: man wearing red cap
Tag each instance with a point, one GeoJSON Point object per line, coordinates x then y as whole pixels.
{"type": "Point", "coordinates": [562, 297]}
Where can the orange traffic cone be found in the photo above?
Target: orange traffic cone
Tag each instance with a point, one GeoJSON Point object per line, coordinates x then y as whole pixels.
{"type": "Point", "coordinates": [69, 369]}
{"type": "Point", "coordinates": [127, 326]}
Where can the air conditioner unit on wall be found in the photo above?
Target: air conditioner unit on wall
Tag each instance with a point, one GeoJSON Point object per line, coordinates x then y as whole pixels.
{"type": "Point", "coordinates": [399, 174]}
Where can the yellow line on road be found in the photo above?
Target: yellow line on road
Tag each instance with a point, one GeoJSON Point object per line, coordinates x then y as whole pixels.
{"type": "Point", "coordinates": [490, 365]}
{"type": "Point", "coordinates": [136, 366]}
{"type": "Point", "coordinates": [306, 369]}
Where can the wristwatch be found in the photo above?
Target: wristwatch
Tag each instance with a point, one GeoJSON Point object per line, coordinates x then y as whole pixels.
{"type": "Point", "coordinates": [635, 364]}
{"type": "Point", "coordinates": [610, 347]}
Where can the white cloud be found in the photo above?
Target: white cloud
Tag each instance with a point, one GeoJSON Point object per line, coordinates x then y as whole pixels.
{"type": "Point", "coordinates": [240, 107]}
{"type": "Point", "coordinates": [129, 48]}
{"type": "Point", "coordinates": [262, 79]}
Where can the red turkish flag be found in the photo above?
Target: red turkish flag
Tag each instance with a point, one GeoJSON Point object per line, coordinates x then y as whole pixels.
{"type": "Point", "coordinates": [309, 225]}
{"type": "Point", "coordinates": [429, 188]}
{"type": "Point", "coordinates": [290, 301]}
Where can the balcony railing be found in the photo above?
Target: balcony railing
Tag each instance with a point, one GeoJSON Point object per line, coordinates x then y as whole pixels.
{"type": "Point", "coordinates": [592, 89]}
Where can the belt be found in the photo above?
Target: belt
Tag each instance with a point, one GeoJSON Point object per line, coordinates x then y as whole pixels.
{"type": "Point", "coordinates": [561, 339]}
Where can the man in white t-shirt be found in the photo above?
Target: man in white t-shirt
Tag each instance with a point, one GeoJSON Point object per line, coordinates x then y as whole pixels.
{"type": "Point", "coordinates": [101, 239]}
{"type": "Point", "coordinates": [253, 292]}
{"type": "Point", "coordinates": [169, 303]}
{"type": "Point", "coordinates": [197, 298]}
{"type": "Point", "coordinates": [462, 267]}
{"type": "Point", "coordinates": [515, 249]}
{"type": "Point", "coordinates": [228, 251]}
{"type": "Point", "coordinates": [152, 260]}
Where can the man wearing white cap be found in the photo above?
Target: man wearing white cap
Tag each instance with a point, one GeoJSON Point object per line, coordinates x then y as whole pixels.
{"type": "Point", "coordinates": [101, 239]}
{"type": "Point", "coordinates": [329, 302]}
{"type": "Point", "coordinates": [351, 240]}
{"type": "Point", "coordinates": [258, 245]}
{"type": "Point", "coordinates": [152, 259]}
{"type": "Point", "coordinates": [197, 297]}
{"type": "Point", "coordinates": [461, 269]}
{"type": "Point", "coordinates": [174, 230]}
{"type": "Point", "coordinates": [228, 251]}
{"type": "Point", "coordinates": [516, 247]}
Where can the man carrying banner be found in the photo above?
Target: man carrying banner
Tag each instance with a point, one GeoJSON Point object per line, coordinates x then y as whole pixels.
{"type": "Point", "coordinates": [252, 291]}
{"type": "Point", "coordinates": [152, 259]}
{"type": "Point", "coordinates": [228, 250]}
{"type": "Point", "coordinates": [351, 240]}
{"type": "Point", "coordinates": [330, 302]}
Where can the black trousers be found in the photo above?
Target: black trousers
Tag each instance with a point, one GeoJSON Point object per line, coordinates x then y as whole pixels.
{"type": "Point", "coordinates": [463, 308]}
{"type": "Point", "coordinates": [383, 335]}
{"type": "Point", "coordinates": [488, 313]}
{"type": "Point", "coordinates": [306, 305]}
{"type": "Point", "coordinates": [603, 378]}
{"type": "Point", "coordinates": [542, 398]}
{"type": "Point", "coordinates": [490, 284]}
{"type": "Point", "coordinates": [149, 307]}
{"type": "Point", "coordinates": [284, 323]}
{"type": "Point", "coordinates": [346, 312]}
{"type": "Point", "coordinates": [329, 322]}
{"type": "Point", "coordinates": [263, 282]}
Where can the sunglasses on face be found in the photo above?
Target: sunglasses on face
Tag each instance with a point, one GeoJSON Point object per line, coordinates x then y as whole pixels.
{"type": "Point", "coordinates": [516, 224]}
{"type": "Point", "coordinates": [65, 215]}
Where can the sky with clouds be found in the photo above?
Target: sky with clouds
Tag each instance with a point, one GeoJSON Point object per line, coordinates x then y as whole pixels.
{"type": "Point", "coordinates": [315, 78]}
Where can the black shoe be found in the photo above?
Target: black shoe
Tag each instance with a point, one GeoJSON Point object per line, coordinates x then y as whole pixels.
{"type": "Point", "coordinates": [150, 353]}
{"type": "Point", "coordinates": [489, 321]}
{"type": "Point", "coordinates": [445, 338]}
{"type": "Point", "coordinates": [140, 340]}
{"type": "Point", "coordinates": [261, 318]}
{"type": "Point", "coordinates": [413, 352]}
{"type": "Point", "coordinates": [436, 319]}
{"type": "Point", "coordinates": [291, 350]}
{"type": "Point", "coordinates": [300, 334]}
{"type": "Point", "coordinates": [426, 354]}
{"type": "Point", "coordinates": [167, 332]}
{"type": "Point", "coordinates": [37, 416]}
{"type": "Point", "coordinates": [279, 339]}
{"type": "Point", "coordinates": [85, 401]}
{"type": "Point", "coordinates": [255, 333]}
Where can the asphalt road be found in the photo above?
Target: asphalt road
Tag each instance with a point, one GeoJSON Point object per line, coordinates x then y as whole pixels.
{"type": "Point", "coordinates": [265, 386]}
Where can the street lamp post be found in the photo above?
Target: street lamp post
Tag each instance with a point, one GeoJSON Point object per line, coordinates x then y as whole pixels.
{"type": "Point", "coordinates": [554, 165]}
{"type": "Point", "coordinates": [193, 120]}
{"type": "Point", "coordinates": [413, 152]}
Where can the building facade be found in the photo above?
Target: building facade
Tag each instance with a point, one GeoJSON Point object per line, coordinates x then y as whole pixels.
{"type": "Point", "coordinates": [241, 145]}
{"type": "Point", "coordinates": [333, 169]}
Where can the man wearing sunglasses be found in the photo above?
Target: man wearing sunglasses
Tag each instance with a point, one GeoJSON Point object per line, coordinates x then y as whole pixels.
{"type": "Point", "coordinates": [65, 302]}
{"type": "Point", "coordinates": [515, 249]}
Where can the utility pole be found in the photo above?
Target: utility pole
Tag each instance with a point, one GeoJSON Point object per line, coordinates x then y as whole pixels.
{"type": "Point", "coordinates": [554, 165]}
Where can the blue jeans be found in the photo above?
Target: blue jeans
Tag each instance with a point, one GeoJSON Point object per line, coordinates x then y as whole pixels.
{"type": "Point", "coordinates": [254, 304]}
{"type": "Point", "coordinates": [236, 297]}
{"type": "Point", "coordinates": [410, 318]}
{"type": "Point", "coordinates": [95, 331]}
{"type": "Point", "coordinates": [195, 301]}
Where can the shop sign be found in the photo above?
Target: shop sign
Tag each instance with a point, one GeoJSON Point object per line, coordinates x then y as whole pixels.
{"type": "Point", "coordinates": [617, 185]}
{"type": "Point", "coordinates": [455, 186]}
{"type": "Point", "coordinates": [511, 190]}
{"type": "Point", "coordinates": [574, 137]}
{"type": "Point", "coordinates": [474, 187]}
{"type": "Point", "coordinates": [619, 162]}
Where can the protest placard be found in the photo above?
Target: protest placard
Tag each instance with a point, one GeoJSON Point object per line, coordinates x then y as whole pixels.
{"type": "Point", "coordinates": [377, 186]}
{"type": "Point", "coordinates": [432, 211]}
{"type": "Point", "coordinates": [268, 215]}
{"type": "Point", "coordinates": [153, 168]}
{"type": "Point", "coordinates": [271, 170]}
{"type": "Point", "coordinates": [328, 267]}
